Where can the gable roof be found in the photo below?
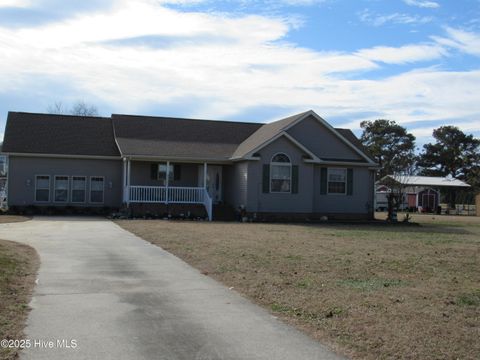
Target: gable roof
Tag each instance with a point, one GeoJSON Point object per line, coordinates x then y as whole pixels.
{"type": "Point", "coordinates": [350, 136]}
{"type": "Point", "coordinates": [59, 134]}
{"type": "Point", "coordinates": [263, 135]}
{"type": "Point", "coordinates": [271, 131]}
{"type": "Point", "coordinates": [149, 136]}
{"type": "Point", "coordinates": [425, 181]}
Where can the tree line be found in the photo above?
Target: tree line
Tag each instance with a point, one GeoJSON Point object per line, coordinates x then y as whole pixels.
{"type": "Point", "coordinates": [452, 152]}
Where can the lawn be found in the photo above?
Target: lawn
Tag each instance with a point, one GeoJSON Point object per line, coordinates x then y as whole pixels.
{"type": "Point", "coordinates": [12, 218]}
{"type": "Point", "coordinates": [18, 267]}
{"type": "Point", "coordinates": [367, 291]}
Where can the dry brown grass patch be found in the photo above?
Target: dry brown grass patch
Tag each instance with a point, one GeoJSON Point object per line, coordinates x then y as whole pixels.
{"type": "Point", "coordinates": [12, 218]}
{"type": "Point", "coordinates": [368, 291]}
{"type": "Point", "coordinates": [18, 266]}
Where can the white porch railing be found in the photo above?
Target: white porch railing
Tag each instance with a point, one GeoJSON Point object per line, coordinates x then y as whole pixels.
{"type": "Point", "coordinates": [171, 195]}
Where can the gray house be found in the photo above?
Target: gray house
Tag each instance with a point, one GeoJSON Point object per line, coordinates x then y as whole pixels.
{"type": "Point", "coordinates": [299, 167]}
{"type": "Point", "coordinates": [3, 179]}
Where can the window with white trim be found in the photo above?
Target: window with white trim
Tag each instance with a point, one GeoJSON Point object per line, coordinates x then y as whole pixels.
{"type": "Point", "coordinates": [79, 187]}
{"type": "Point", "coordinates": [280, 174]}
{"type": "Point", "coordinates": [97, 185]}
{"type": "Point", "coordinates": [60, 188]}
{"type": "Point", "coordinates": [162, 174]}
{"type": "Point", "coordinates": [337, 181]}
{"type": "Point", "coordinates": [42, 188]}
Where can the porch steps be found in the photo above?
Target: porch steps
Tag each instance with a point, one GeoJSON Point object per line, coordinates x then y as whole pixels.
{"type": "Point", "coordinates": [224, 212]}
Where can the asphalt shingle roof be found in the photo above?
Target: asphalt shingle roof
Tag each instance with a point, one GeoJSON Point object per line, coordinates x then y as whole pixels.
{"type": "Point", "coordinates": [142, 136]}
{"type": "Point", "coordinates": [263, 134]}
{"type": "Point", "coordinates": [174, 137]}
{"type": "Point", "coordinates": [59, 134]}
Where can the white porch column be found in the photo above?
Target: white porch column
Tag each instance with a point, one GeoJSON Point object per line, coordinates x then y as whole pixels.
{"type": "Point", "coordinates": [204, 175]}
{"type": "Point", "coordinates": [167, 180]}
{"type": "Point", "coordinates": [124, 180]}
{"type": "Point", "coordinates": [129, 168]}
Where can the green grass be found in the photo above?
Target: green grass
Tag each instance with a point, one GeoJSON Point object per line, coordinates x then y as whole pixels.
{"type": "Point", "coordinates": [471, 299]}
{"type": "Point", "coordinates": [370, 284]}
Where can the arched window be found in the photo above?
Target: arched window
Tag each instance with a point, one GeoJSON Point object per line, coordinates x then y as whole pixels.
{"type": "Point", "coordinates": [280, 173]}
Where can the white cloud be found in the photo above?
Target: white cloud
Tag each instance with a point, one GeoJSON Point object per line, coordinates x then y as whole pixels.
{"type": "Point", "coordinates": [140, 17]}
{"type": "Point", "coordinates": [403, 54]}
{"type": "Point", "coordinates": [422, 3]}
{"type": "Point", "coordinates": [467, 42]}
{"type": "Point", "coordinates": [301, 2]}
{"type": "Point", "coordinates": [423, 96]}
{"type": "Point", "coordinates": [396, 18]}
{"type": "Point", "coordinates": [426, 131]}
{"type": "Point", "coordinates": [243, 63]}
{"type": "Point", "coordinates": [15, 3]}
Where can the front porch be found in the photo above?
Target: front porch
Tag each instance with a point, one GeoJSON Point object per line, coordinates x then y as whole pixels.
{"type": "Point", "coordinates": [168, 182]}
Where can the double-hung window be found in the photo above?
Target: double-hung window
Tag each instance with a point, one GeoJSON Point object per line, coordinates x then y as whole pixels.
{"type": "Point", "coordinates": [97, 189]}
{"type": "Point", "coordinates": [42, 188]}
{"type": "Point", "coordinates": [61, 188]}
{"type": "Point", "coordinates": [337, 181]}
{"type": "Point", "coordinates": [162, 173]}
{"type": "Point", "coordinates": [79, 186]}
{"type": "Point", "coordinates": [280, 174]}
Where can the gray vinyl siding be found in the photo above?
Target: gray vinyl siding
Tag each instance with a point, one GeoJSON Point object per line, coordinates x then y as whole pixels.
{"type": "Point", "coordinates": [321, 141]}
{"type": "Point", "coordinates": [360, 202]}
{"type": "Point", "coordinates": [302, 202]}
{"type": "Point", "coordinates": [140, 174]}
{"type": "Point", "coordinates": [21, 189]}
{"type": "Point", "coordinates": [235, 184]}
{"type": "Point", "coordinates": [308, 199]}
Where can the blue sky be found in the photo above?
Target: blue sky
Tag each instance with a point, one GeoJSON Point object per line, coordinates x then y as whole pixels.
{"type": "Point", "coordinates": [412, 61]}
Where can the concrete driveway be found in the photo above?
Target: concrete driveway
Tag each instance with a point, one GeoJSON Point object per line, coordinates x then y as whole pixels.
{"type": "Point", "coordinates": [110, 295]}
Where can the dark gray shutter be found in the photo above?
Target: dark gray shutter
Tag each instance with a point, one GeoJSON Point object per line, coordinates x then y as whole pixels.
{"type": "Point", "coordinates": [323, 181]}
{"type": "Point", "coordinates": [266, 178]}
{"type": "Point", "coordinates": [349, 181]}
{"type": "Point", "coordinates": [177, 172]}
{"type": "Point", "coordinates": [295, 179]}
{"type": "Point", "coordinates": [154, 171]}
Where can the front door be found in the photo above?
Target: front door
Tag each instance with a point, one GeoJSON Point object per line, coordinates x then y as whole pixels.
{"type": "Point", "coordinates": [214, 181]}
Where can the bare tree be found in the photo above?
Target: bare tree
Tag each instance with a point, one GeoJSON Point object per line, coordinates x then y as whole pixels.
{"type": "Point", "coordinates": [397, 184]}
{"type": "Point", "coordinates": [83, 109]}
{"type": "Point", "coordinates": [80, 108]}
{"type": "Point", "coordinates": [57, 108]}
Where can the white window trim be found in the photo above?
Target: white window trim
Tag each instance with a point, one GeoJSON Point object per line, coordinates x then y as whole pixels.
{"type": "Point", "coordinates": [55, 188]}
{"type": "Point", "coordinates": [328, 181]}
{"type": "Point", "coordinates": [49, 190]}
{"type": "Point", "coordinates": [84, 190]}
{"type": "Point", "coordinates": [170, 173]}
{"type": "Point", "coordinates": [280, 164]}
{"type": "Point", "coordinates": [90, 190]}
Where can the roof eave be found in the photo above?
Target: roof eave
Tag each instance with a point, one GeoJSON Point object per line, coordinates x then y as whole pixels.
{"type": "Point", "coordinates": [66, 156]}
